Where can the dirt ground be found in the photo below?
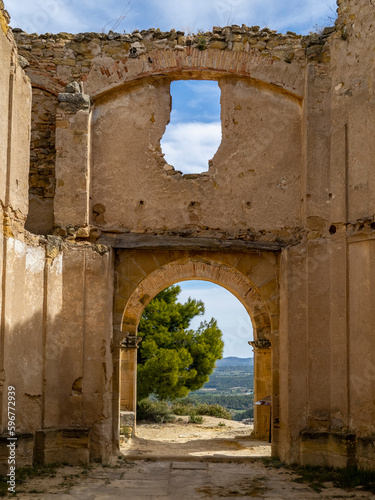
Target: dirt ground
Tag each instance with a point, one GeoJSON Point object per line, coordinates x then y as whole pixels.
{"type": "Point", "coordinates": [181, 461]}
{"type": "Point", "coordinates": [214, 438]}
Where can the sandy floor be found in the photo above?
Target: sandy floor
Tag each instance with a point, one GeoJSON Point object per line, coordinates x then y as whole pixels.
{"type": "Point", "coordinates": [214, 438]}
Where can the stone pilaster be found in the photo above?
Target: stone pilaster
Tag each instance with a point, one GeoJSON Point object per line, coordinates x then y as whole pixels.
{"type": "Point", "coordinates": [128, 391]}
{"type": "Point", "coordinates": [73, 123]}
{"type": "Point", "coordinates": [262, 386]}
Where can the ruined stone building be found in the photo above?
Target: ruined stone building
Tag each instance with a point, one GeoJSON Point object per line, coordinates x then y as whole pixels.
{"type": "Point", "coordinates": [89, 236]}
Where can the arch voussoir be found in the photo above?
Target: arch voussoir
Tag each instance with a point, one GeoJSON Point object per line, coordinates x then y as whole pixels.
{"type": "Point", "coordinates": [200, 267]}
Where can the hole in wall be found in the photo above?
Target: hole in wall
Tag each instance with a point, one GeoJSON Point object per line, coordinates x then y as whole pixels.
{"type": "Point", "coordinates": [193, 134]}
{"type": "Point", "coordinates": [98, 213]}
{"type": "Point", "coordinates": [332, 229]}
{"type": "Point", "coordinates": [77, 387]}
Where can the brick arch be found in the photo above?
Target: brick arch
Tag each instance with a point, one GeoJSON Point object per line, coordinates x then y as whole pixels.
{"type": "Point", "coordinates": [191, 63]}
{"type": "Point", "coordinates": [253, 282]}
{"type": "Point", "coordinates": [44, 81]}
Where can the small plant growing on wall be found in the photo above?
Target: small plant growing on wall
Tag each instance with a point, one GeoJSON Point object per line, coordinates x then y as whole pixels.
{"type": "Point", "coordinates": [201, 40]}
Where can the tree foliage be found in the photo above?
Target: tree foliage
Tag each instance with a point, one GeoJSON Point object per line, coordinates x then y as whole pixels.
{"type": "Point", "coordinates": [174, 359]}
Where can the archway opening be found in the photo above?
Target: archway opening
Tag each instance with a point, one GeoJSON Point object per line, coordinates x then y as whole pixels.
{"type": "Point", "coordinates": [224, 400]}
{"type": "Point", "coordinates": [195, 350]}
{"type": "Point", "coordinates": [231, 384]}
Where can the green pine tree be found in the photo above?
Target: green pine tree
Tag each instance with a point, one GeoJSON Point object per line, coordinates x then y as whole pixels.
{"type": "Point", "coordinates": [173, 359]}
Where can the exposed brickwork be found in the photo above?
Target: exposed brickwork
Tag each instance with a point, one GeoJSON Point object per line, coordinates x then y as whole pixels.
{"type": "Point", "coordinates": [43, 155]}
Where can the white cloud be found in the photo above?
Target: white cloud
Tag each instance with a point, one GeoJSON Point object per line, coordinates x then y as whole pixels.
{"type": "Point", "coordinates": [43, 16]}
{"type": "Point", "coordinates": [189, 146]}
{"type": "Point", "coordinates": [232, 317]}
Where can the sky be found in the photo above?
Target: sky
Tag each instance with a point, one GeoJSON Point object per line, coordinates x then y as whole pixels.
{"type": "Point", "coordinates": [232, 318]}
{"type": "Point", "coordinates": [75, 16]}
{"type": "Point", "coordinates": [194, 132]}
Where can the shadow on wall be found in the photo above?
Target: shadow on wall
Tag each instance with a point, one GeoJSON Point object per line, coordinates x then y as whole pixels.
{"type": "Point", "coordinates": [62, 388]}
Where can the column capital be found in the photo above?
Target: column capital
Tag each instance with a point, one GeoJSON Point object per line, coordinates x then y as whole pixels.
{"type": "Point", "coordinates": [131, 342]}
{"type": "Point", "coordinates": [260, 344]}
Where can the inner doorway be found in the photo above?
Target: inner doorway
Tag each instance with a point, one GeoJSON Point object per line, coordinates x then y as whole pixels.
{"type": "Point", "coordinates": [250, 276]}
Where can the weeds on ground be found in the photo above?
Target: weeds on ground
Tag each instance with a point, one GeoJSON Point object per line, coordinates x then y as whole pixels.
{"type": "Point", "coordinates": [344, 477]}
{"type": "Point", "coordinates": [51, 471]}
{"type": "Point", "coordinates": [273, 462]}
{"type": "Point", "coordinates": [24, 473]}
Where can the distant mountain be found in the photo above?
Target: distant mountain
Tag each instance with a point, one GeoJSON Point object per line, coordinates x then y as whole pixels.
{"type": "Point", "coordinates": [233, 361]}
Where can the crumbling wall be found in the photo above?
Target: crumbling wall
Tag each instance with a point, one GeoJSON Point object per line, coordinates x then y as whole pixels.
{"type": "Point", "coordinates": [353, 122]}
{"type": "Point", "coordinates": [327, 335]}
{"type": "Point", "coordinates": [55, 60]}
{"type": "Point", "coordinates": [21, 290]}
{"type": "Point", "coordinates": [125, 166]}
{"type": "Point", "coordinates": [56, 356]}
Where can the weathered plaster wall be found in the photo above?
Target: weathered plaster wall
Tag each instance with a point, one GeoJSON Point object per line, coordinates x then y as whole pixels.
{"type": "Point", "coordinates": [55, 309]}
{"type": "Point", "coordinates": [14, 132]}
{"type": "Point", "coordinates": [261, 145]}
{"type": "Point", "coordinates": [326, 334]}
{"type": "Point", "coordinates": [353, 107]}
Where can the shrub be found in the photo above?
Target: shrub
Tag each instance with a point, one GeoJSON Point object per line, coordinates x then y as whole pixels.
{"type": "Point", "coordinates": [126, 431]}
{"type": "Point", "coordinates": [182, 407]}
{"type": "Point", "coordinates": [214, 410]}
{"type": "Point", "coordinates": [201, 40]}
{"type": "Point", "coordinates": [186, 406]}
{"type": "Point", "coordinates": [158, 411]}
{"type": "Point", "coordinates": [194, 418]}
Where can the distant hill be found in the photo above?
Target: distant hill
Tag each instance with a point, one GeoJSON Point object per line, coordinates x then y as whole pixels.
{"type": "Point", "coordinates": [232, 377]}
{"type": "Point", "coordinates": [233, 361]}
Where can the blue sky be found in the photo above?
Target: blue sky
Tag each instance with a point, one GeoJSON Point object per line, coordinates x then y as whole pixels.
{"type": "Point", "coordinates": [194, 133]}
{"type": "Point", "coordinates": [230, 314]}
